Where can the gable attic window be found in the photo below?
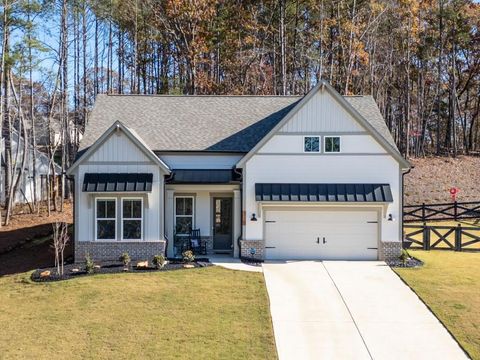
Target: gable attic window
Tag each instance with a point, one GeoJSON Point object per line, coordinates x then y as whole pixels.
{"type": "Point", "coordinates": [311, 144]}
{"type": "Point", "coordinates": [332, 144]}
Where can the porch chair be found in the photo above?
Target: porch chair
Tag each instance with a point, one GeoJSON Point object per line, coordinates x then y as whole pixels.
{"type": "Point", "coordinates": [197, 245]}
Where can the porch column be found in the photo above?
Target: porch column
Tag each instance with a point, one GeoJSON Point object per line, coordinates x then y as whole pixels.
{"type": "Point", "coordinates": [237, 219]}
{"type": "Point", "coordinates": [169, 206]}
{"type": "Point", "coordinates": [161, 208]}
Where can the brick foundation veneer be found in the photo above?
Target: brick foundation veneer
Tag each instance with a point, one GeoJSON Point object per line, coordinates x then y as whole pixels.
{"type": "Point", "coordinates": [258, 245]}
{"type": "Point", "coordinates": [390, 250]}
{"type": "Point", "coordinates": [101, 251]}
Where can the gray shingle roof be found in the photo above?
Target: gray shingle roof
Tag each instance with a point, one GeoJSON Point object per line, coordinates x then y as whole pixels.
{"type": "Point", "coordinates": [204, 123]}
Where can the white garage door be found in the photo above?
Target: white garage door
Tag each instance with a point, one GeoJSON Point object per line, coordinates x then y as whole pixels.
{"type": "Point", "coordinates": [317, 234]}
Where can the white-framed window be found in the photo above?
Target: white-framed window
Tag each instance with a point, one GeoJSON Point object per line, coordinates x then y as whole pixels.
{"type": "Point", "coordinates": [132, 218]}
{"type": "Point", "coordinates": [105, 218]}
{"type": "Point", "coordinates": [332, 144]}
{"type": "Point", "coordinates": [311, 144]}
{"type": "Point", "coordinates": [184, 215]}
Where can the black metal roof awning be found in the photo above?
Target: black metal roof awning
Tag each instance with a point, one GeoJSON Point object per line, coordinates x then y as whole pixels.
{"type": "Point", "coordinates": [203, 176]}
{"type": "Point", "coordinates": [117, 182]}
{"type": "Point", "coordinates": [324, 192]}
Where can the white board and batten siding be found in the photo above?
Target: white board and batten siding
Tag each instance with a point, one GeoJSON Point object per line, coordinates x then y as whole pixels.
{"type": "Point", "coordinates": [118, 154]}
{"type": "Point", "coordinates": [321, 114]}
{"type": "Point", "coordinates": [118, 148]}
{"type": "Point", "coordinates": [350, 144]}
{"type": "Point", "coordinates": [362, 160]}
{"type": "Point", "coordinates": [200, 161]}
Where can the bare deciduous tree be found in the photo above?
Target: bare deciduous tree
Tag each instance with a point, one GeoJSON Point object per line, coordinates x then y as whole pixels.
{"type": "Point", "coordinates": [60, 241]}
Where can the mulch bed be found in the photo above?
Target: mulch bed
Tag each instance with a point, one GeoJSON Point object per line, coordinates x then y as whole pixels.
{"type": "Point", "coordinates": [410, 263]}
{"type": "Point", "coordinates": [110, 268]}
{"type": "Point", "coordinates": [251, 262]}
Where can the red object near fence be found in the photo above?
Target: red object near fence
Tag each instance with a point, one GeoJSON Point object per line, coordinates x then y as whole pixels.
{"type": "Point", "coordinates": [453, 193]}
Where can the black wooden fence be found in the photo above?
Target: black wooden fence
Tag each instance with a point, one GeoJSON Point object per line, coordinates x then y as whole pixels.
{"type": "Point", "coordinates": [428, 237]}
{"type": "Point", "coordinates": [448, 211]}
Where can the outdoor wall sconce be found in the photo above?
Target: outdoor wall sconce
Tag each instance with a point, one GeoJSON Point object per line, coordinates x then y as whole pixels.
{"type": "Point", "coordinates": [253, 218]}
{"type": "Point", "coordinates": [390, 217]}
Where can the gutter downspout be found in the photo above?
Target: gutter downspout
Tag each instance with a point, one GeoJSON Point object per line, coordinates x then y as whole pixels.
{"type": "Point", "coordinates": [168, 177]}
{"type": "Point", "coordinates": [239, 172]}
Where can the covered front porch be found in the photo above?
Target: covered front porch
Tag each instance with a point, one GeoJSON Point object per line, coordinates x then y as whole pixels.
{"type": "Point", "coordinates": [204, 200]}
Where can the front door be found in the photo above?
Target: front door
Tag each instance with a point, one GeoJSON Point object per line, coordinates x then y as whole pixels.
{"type": "Point", "coordinates": [222, 224]}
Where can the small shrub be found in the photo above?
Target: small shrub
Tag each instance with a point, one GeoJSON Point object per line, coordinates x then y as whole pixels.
{"type": "Point", "coordinates": [159, 261]}
{"type": "Point", "coordinates": [188, 256]}
{"type": "Point", "coordinates": [404, 257]}
{"type": "Point", "coordinates": [89, 264]}
{"type": "Point", "coordinates": [125, 258]}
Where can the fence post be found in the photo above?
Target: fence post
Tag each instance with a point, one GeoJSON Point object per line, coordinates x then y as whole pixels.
{"type": "Point", "coordinates": [426, 237]}
{"type": "Point", "coordinates": [423, 211]}
{"type": "Point", "coordinates": [455, 210]}
{"type": "Point", "coordinates": [458, 238]}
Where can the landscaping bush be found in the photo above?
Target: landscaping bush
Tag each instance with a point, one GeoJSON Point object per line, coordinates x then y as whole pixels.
{"type": "Point", "coordinates": [125, 259]}
{"type": "Point", "coordinates": [159, 261]}
{"type": "Point", "coordinates": [404, 257]}
{"type": "Point", "coordinates": [89, 264]}
{"type": "Point", "coordinates": [188, 256]}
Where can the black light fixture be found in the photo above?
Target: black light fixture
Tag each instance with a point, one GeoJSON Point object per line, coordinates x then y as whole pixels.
{"type": "Point", "coordinates": [390, 217]}
{"type": "Point", "coordinates": [253, 218]}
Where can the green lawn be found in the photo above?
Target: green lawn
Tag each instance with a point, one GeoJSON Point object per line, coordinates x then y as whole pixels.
{"type": "Point", "coordinates": [207, 313]}
{"type": "Point", "coordinates": [449, 283]}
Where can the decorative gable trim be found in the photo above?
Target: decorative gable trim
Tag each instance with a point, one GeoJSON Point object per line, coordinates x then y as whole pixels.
{"type": "Point", "coordinates": [325, 86]}
{"type": "Point", "coordinates": [131, 135]}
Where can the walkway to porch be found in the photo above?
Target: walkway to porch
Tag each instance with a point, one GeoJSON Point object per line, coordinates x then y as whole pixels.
{"type": "Point", "coordinates": [228, 262]}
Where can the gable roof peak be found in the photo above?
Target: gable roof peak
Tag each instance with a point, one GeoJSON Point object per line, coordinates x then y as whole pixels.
{"type": "Point", "coordinates": [384, 139]}
{"type": "Point", "coordinates": [118, 126]}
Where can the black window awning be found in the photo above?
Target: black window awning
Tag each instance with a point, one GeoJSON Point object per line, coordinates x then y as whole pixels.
{"type": "Point", "coordinates": [203, 176]}
{"type": "Point", "coordinates": [117, 182]}
{"type": "Point", "coordinates": [324, 192]}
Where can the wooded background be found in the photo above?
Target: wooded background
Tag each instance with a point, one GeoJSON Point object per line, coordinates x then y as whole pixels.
{"type": "Point", "coordinates": [420, 60]}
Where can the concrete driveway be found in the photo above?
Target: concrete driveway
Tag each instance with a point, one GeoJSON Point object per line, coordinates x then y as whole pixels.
{"type": "Point", "coordinates": [351, 310]}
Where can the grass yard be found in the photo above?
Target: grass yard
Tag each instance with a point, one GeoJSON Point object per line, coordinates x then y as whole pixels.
{"type": "Point", "coordinates": [468, 223]}
{"type": "Point", "coordinates": [209, 313]}
{"type": "Point", "coordinates": [449, 283]}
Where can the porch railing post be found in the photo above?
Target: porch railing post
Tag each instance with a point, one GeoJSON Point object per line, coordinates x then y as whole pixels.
{"type": "Point", "coordinates": [455, 210]}
{"type": "Point", "coordinates": [458, 238]}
